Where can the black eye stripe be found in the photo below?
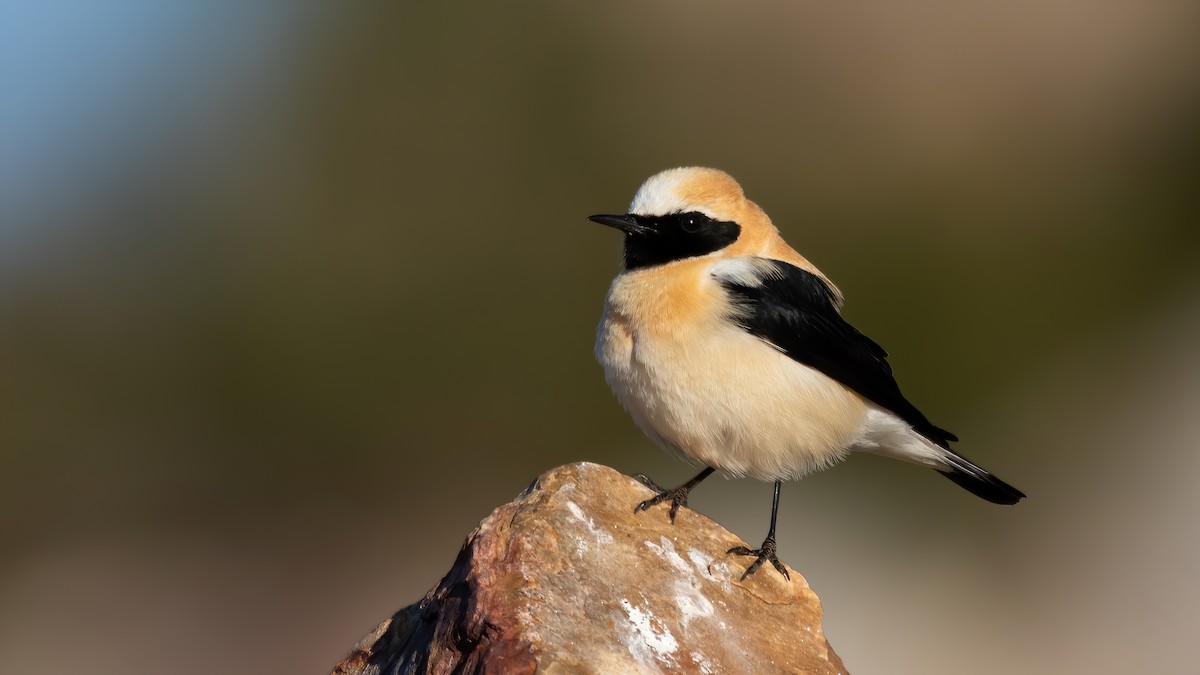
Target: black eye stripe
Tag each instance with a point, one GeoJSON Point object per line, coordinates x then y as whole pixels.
{"type": "Point", "coordinates": [690, 222]}
{"type": "Point", "coordinates": [676, 236]}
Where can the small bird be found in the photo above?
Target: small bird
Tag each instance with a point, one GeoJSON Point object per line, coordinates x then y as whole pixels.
{"type": "Point", "coordinates": [728, 349]}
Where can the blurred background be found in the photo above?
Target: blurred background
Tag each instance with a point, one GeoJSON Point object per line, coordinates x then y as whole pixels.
{"type": "Point", "coordinates": [293, 294]}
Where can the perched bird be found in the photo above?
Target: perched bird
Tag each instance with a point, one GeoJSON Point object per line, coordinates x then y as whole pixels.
{"type": "Point", "coordinates": [728, 348]}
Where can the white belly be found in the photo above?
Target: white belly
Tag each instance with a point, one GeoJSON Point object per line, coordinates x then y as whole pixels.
{"type": "Point", "coordinates": [716, 395]}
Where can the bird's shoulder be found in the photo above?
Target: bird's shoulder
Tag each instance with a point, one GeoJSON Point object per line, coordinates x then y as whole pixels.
{"type": "Point", "coordinates": [787, 284]}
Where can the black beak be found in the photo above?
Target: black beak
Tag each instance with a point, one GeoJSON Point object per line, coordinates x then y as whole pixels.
{"type": "Point", "coordinates": [626, 223]}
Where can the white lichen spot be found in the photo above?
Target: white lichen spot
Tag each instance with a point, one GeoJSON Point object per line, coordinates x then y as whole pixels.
{"type": "Point", "coordinates": [707, 566]}
{"type": "Point", "coordinates": [667, 550]}
{"type": "Point", "coordinates": [701, 560]}
{"type": "Point", "coordinates": [692, 603]}
{"type": "Point", "coordinates": [703, 663]}
{"type": "Point", "coordinates": [577, 512]}
{"type": "Point", "coordinates": [595, 533]}
{"type": "Point", "coordinates": [689, 596]}
{"type": "Point", "coordinates": [723, 572]}
{"type": "Point", "coordinates": [649, 639]}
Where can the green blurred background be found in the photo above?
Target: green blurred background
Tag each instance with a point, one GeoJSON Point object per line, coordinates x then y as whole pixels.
{"type": "Point", "coordinates": [293, 294]}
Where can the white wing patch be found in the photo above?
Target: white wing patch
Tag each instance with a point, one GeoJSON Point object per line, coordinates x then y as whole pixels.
{"type": "Point", "coordinates": [743, 271]}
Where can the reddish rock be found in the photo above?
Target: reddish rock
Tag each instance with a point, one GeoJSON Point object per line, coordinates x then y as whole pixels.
{"type": "Point", "coordinates": [568, 579]}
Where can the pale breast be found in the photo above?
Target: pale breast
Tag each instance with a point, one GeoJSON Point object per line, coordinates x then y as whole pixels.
{"type": "Point", "coordinates": [707, 390]}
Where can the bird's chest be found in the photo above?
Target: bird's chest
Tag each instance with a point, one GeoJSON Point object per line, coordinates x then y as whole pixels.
{"type": "Point", "coordinates": [668, 345]}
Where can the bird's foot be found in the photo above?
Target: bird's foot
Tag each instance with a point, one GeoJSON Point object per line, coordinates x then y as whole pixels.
{"type": "Point", "coordinates": [762, 554]}
{"type": "Point", "coordinates": [677, 497]}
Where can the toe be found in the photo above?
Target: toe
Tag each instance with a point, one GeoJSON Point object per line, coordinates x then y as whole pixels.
{"type": "Point", "coordinates": [782, 570]}
{"type": "Point", "coordinates": [645, 505]}
{"type": "Point", "coordinates": [645, 480]}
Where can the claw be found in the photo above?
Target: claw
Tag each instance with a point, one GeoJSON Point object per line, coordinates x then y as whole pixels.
{"type": "Point", "coordinates": [763, 554]}
{"type": "Point", "coordinates": [677, 498]}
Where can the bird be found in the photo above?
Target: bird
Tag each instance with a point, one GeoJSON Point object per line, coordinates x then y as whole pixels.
{"type": "Point", "coordinates": [728, 349]}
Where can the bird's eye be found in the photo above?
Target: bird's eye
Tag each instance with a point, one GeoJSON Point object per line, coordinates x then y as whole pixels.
{"type": "Point", "coordinates": [691, 223]}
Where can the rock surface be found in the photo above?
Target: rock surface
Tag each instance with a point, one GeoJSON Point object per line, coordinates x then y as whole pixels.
{"type": "Point", "coordinates": [568, 579]}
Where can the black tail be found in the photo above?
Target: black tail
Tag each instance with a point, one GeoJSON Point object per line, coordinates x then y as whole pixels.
{"type": "Point", "coordinates": [979, 482]}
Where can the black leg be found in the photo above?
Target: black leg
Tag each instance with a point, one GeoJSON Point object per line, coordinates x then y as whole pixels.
{"type": "Point", "coordinates": [767, 550]}
{"type": "Point", "coordinates": [678, 496]}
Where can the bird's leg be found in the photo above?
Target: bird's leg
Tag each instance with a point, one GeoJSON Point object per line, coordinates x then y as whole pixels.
{"type": "Point", "coordinates": [767, 550]}
{"type": "Point", "coordinates": [678, 496]}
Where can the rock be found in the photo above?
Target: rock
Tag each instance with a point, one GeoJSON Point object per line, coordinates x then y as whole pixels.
{"type": "Point", "coordinates": [568, 579]}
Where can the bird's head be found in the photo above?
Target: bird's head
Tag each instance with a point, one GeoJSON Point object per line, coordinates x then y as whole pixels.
{"type": "Point", "coordinates": [689, 212]}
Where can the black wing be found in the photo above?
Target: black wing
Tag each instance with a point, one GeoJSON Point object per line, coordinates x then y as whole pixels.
{"type": "Point", "coordinates": [795, 310]}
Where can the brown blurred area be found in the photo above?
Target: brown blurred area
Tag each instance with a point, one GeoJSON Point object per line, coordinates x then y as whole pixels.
{"type": "Point", "coordinates": [291, 296]}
